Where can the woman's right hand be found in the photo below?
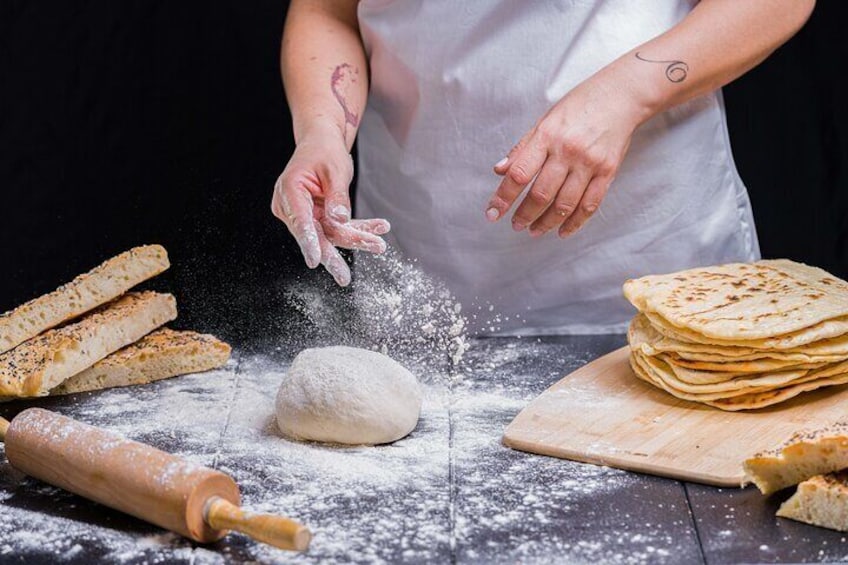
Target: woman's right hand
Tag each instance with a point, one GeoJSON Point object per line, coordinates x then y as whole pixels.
{"type": "Point", "coordinates": [312, 197]}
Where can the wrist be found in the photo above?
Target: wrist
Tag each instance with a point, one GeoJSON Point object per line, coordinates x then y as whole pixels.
{"type": "Point", "coordinates": [641, 96]}
{"type": "Point", "coordinates": [320, 130]}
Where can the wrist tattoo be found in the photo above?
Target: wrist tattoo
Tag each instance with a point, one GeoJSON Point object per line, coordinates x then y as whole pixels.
{"type": "Point", "coordinates": [343, 79]}
{"type": "Point", "coordinates": [675, 71]}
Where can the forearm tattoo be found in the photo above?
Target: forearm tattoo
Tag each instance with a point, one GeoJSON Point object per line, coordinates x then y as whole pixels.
{"type": "Point", "coordinates": [675, 71]}
{"type": "Point", "coordinates": [345, 76]}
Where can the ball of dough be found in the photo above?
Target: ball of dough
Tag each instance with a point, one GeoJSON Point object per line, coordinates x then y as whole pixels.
{"type": "Point", "coordinates": [347, 395]}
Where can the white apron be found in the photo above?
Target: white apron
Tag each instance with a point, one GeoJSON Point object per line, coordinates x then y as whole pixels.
{"type": "Point", "coordinates": [454, 85]}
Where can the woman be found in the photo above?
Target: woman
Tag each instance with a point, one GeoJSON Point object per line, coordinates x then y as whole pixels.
{"type": "Point", "coordinates": [600, 109]}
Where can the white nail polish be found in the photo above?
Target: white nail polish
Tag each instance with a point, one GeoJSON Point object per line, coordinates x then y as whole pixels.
{"type": "Point", "coordinates": [492, 214]}
{"type": "Point", "coordinates": [502, 162]}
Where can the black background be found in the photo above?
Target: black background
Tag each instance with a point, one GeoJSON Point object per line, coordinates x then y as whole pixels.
{"type": "Point", "coordinates": [130, 122]}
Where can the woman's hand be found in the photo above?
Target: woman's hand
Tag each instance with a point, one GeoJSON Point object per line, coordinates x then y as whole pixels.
{"type": "Point", "coordinates": [312, 198]}
{"type": "Point", "coordinates": [573, 153]}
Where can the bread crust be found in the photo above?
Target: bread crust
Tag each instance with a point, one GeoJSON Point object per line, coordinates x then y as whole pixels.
{"type": "Point", "coordinates": [804, 455]}
{"type": "Point", "coordinates": [43, 362]}
{"type": "Point", "coordinates": [102, 284]}
{"type": "Point", "coordinates": [821, 501]}
{"type": "Point", "coordinates": [163, 354]}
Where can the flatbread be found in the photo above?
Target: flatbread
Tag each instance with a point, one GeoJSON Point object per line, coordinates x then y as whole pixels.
{"type": "Point", "coordinates": [745, 367]}
{"type": "Point", "coordinates": [787, 355]}
{"type": "Point", "coordinates": [644, 373]}
{"type": "Point", "coordinates": [740, 336]}
{"type": "Point", "coordinates": [662, 372]}
{"type": "Point", "coordinates": [763, 399]}
{"type": "Point", "coordinates": [743, 302]}
{"type": "Point", "coordinates": [644, 336]}
{"type": "Point", "coordinates": [745, 399]}
{"type": "Point", "coordinates": [826, 330]}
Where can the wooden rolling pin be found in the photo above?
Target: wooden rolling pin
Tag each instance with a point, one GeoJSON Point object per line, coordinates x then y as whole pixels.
{"type": "Point", "coordinates": [192, 500]}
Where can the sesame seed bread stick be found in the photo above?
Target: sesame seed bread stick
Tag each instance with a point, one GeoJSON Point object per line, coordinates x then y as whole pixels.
{"type": "Point", "coordinates": [86, 292]}
{"type": "Point", "coordinates": [802, 456]}
{"type": "Point", "coordinates": [160, 355]}
{"type": "Point", "coordinates": [40, 364]}
{"type": "Point", "coordinates": [821, 501]}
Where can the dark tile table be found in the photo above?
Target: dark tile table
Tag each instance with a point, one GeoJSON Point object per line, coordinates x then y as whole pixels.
{"type": "Point", "coordinates": [450, 492]}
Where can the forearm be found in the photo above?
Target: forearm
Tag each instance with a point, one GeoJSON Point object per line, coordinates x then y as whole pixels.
{"type": "Point", "coordinates": [717, 42]}
{"type": "Point", "coordinates": [324, 68]}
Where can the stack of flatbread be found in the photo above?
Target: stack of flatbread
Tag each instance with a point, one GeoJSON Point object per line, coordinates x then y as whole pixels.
{"type": "Point", "coordinates": [740, 336]}
{"type": "Point", "coordinates": [94, 333]}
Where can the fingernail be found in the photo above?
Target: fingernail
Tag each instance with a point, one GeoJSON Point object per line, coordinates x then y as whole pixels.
{"type": "Point", "coordinates": [342, 277]}
{"type": "Point", "coordinates": [340, 213]}
{"type": "Point", "coordinates": [310, 261]}
{"type": "Point", "coordinates": [517, 226]}
{"type": "Point", "coordinates": [502, 162]}
{"type": "Point", "coordinates": [379, 247]}
{"type": "Point", "coordinates": [564, 234]}
{"type": "Point", "coordinates": [310, 254]}
{"type": "Point", "coordinates": [535, 233]}
{"type": "Point", "coordinates": [492, 214]}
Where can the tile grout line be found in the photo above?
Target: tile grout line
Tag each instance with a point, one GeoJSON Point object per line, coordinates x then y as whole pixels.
{"type": "Point", "coordinates": [231, 406]}
{"type": "Point", "coordinates": [451, 476]}
{"type": "Point", "coordinates": [694, 523]}
{"type": "Point", "coordinates": [236, 373]}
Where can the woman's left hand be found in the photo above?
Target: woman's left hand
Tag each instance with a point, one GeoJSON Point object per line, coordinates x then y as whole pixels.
{"type": "Point", "coordinates": [573, 153]}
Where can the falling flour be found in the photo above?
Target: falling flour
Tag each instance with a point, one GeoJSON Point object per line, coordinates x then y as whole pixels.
{"type": "Point", "coordinates": [392, 307]}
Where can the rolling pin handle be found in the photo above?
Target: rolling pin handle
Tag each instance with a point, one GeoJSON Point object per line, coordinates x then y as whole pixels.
{"type": "Point", "coordinates": [278, 531]}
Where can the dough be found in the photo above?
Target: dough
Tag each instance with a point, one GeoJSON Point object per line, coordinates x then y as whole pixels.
{"type": "Point", "coordinates": [347, 395]}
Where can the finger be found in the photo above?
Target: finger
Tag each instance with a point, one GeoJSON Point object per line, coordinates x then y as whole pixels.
{"type": "Point", "coordinates": [522, 168]}
{"type": "Point", "coordinates": [589, 204]}
{"type": "Point", "coordinates": [346, 236]}
{"type": "Point", "coordinates": [295, 208]}
{"type": "Point", "coordinates": [564, 204]}
{"type": "Point", "coordinates": [541, 194]}
{"type": "Point", "coordinates": [333, 261]}
{"type": "Point", "coordinates": [377, 226]}
{"type": "Point", "coordinates": [502, 165]}
{"type": "Point", "coordinates": [336, 180]}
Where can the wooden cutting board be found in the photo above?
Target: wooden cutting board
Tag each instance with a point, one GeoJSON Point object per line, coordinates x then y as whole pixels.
{"type": "Point", "coordinates": [602, 414]}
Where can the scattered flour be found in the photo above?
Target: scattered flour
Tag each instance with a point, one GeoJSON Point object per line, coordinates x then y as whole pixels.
{"type": "Point", "coordinates": [448, 491]}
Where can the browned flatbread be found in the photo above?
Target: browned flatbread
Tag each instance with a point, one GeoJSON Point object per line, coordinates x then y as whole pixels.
{"type": "Point", "coordinates": [646, 337]}
{"type": "Point", "coordinates": [740, 336]}
{"type": "Point", "coordinates": [759, 381]}
{"type": "Point", "coordinates": [746, 302]}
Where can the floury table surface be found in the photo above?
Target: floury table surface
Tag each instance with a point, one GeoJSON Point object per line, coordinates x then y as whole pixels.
{"type": "Point", "coordinates": [450, 492]}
